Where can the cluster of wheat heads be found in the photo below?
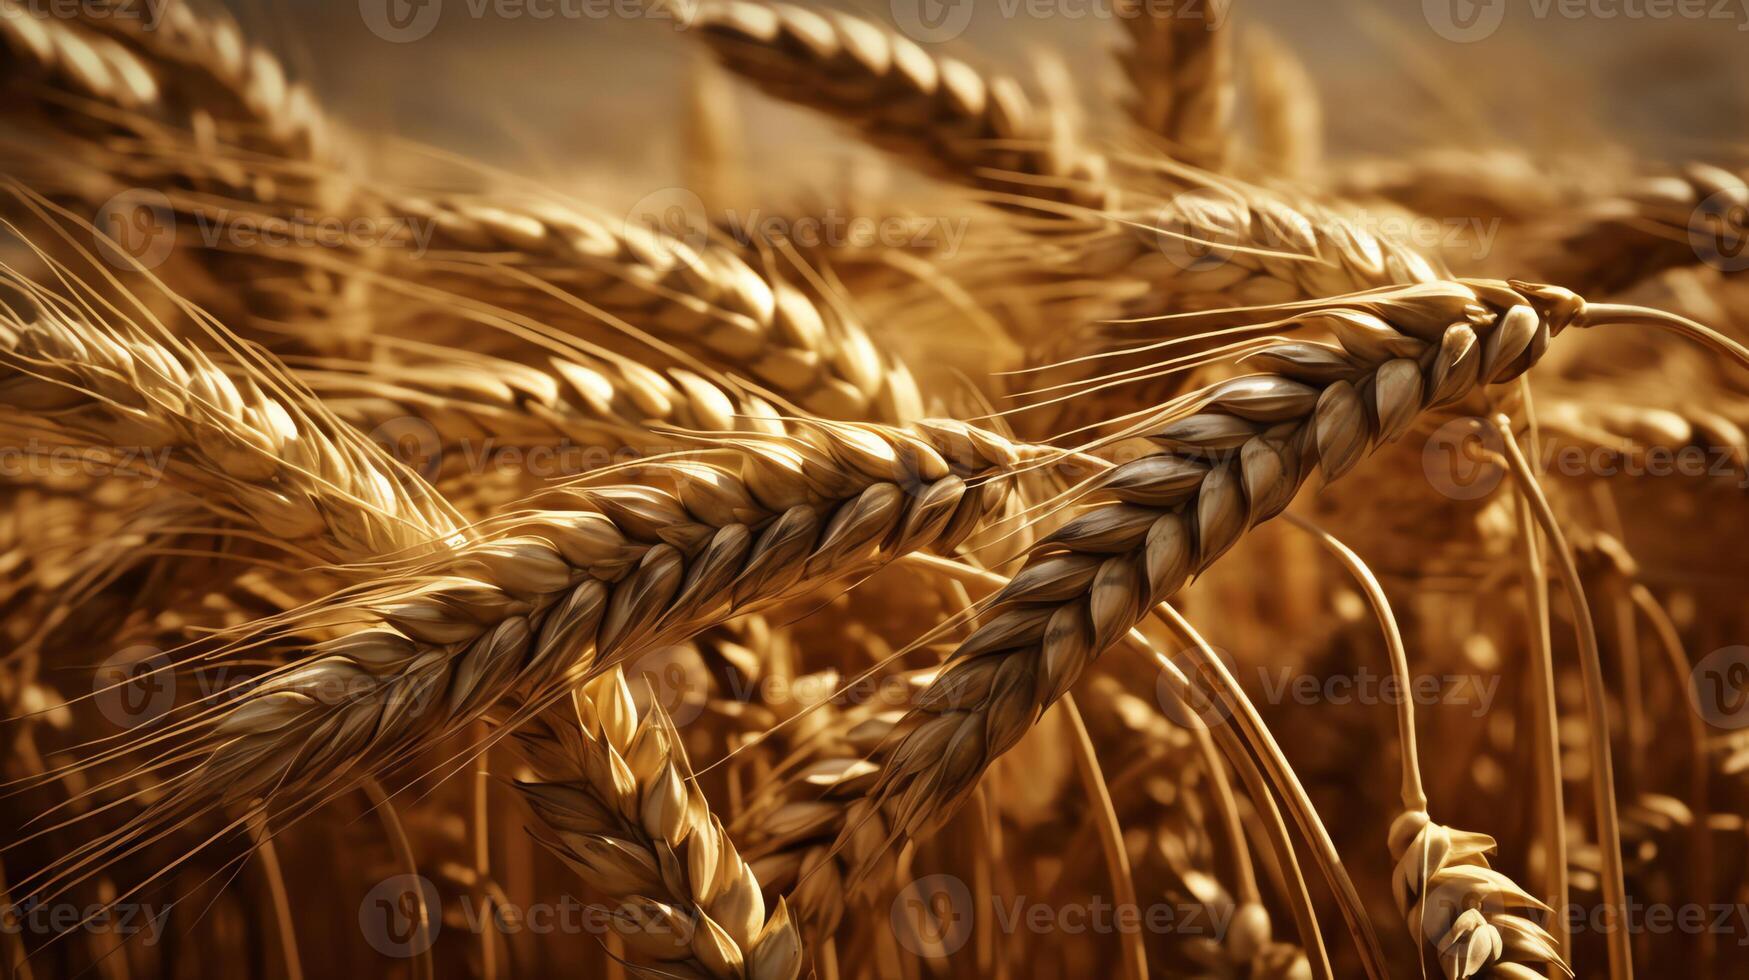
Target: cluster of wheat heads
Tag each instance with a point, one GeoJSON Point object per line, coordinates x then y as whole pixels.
{"type": "Point", "coordinates": [1193, 572]}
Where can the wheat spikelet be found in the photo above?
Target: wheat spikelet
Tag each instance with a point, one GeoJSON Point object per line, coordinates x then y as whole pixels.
{"type": "Point", "coordinates": [936, 112]}
{"type": "Point", "coordinates": [1236, 459]}
{"type": "Point", "coordinates": [1466, 910]}
{"type": "Point", "coordinates": [1180, 69]}
{"type": "Point", "coordinates": [617, 795]}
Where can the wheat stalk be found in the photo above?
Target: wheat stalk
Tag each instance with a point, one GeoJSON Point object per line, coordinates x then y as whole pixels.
{"type": "Point", "coordinates": [1289, 120]}
{"type": "Point", "coordinates": [618, 796]}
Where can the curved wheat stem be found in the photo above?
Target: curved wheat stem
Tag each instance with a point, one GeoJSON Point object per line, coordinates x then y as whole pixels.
{"type": "Point", "coordinates": [936, 112]}
{"type": "Point", "coordinates": [617, 795]}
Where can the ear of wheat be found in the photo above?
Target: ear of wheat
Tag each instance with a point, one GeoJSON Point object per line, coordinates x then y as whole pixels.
{"type": "Point", "coordinates": [244, 437]}
{"type": "Point", "coordinates": [934, 111]}
{"type": "Point", "coordinates": [1237, 459]}
{"type": "Point", "coordinates": [622, 808]}
{"type": "Point", "coordinates": [548, 598]}
{"type": "Point", "coordinates": [1180, 68]}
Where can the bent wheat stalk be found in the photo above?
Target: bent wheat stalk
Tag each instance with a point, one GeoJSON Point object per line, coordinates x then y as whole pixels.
{"type": "Point", "coordinates": [618, 798]}
{"type": "Point", "coordinates": [1442, 883]}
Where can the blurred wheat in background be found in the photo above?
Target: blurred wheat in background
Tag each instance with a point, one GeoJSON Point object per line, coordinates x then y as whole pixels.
{"type": "Point", "coordinates": [1009, 488]}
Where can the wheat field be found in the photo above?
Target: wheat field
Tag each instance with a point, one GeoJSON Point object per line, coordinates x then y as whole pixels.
{"type": "Point", "coordinates": [1092, 514]}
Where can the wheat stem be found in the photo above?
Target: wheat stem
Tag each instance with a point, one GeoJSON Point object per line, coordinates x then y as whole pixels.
{"type": "Point", "coordinates": [1621, 964]}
